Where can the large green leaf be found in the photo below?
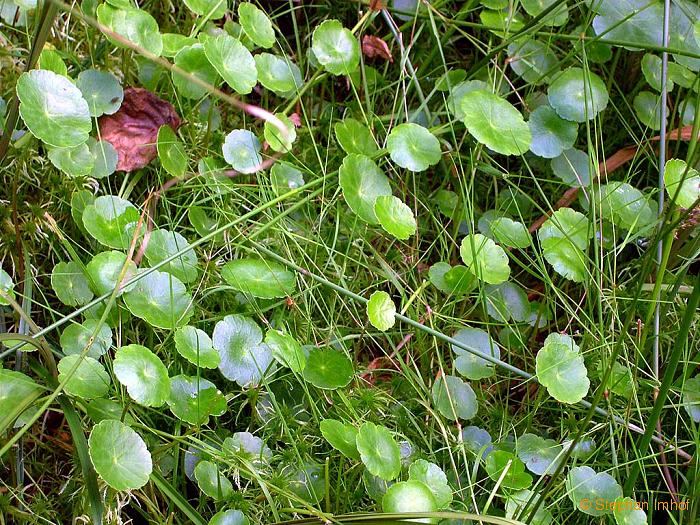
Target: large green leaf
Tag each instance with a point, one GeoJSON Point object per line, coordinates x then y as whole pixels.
{"type": "Point", "coordinates": [192, 60]}
{"type": "Point", "coordinates": [259, 278]}
{"type": "Point", "coordinates": [194, 399]}
{"type": "Point", "coordinates": [135, 25]}
{"type": "Point", "coordinates": [341, 436]}
{"type": "Point", "coordinates": [682, 183]}
{"type": "Point", "coordinates": [551, 134]}
{"type": "Point", "coordinates": [244, 357]}
{"type": "Point", "coordinates": [75, 338]}
{"type": "Point", "coordinates": [111, 221]}
{"type": "Point", "coordinates": [328, 368]}
{"type": "Point", "coordinates": [413, 147]}
{"type": "Point", "coordinates": [362, 182]}
{"type": "Point", "coordinates": [454, 398]}
{"type": "Point", "coordinates": [586, 489]}
{"type": "Point", "coordinates": [101, 90]}
{"type": "Point", "coordinates": [578, 95]}
{"type": "Point", "coordinates": [354, 137]}
{"type": "Point", "coordinates": [533, 60]}
{"type": "Point", "coordinates": [53, 109]}
{"type": "Point", "coordinates": [119, 455]}
{"type": "Point", "coordinates": [335, 48]}
{"type": "Point", "coordinates": [278, 74]}
{"type": "Point", "coordinates": [15, 389]}
{"type": "Point", "coordinates": [560, 368]}
{"type": "Point", "coordinates": [540, 455]}
{"type": "Point", "coordinates": [409, 496]}
{"type": "Point", "coordinates": [88, 381]}
{"type": "Point", "coordinates": [212, 482]}
{"type": "Point", "coordinates": [286, 350]}
{"type": "Point", "coordinates": [105, 268]}
{"type": "Point", "coordinates": [381, 311]}
{"type": "Point", "coordinates": [143, 374]}
{"type": "Point", "coordinates": [434, 478]}
{"type": "Point", "coordinates": [233, 61]}
{"type": "Point", "coordinates": [256, 24]}
{"type": "Point", "coordinates": [163, 244]}
{"type": "Point", "coordinates": [160, 299]}
{"type": "Point", "coordinates": [484, 258]}
{"type": "Point", "coordinates": [632, 21]}
{"type": "Point", "coordinates": [196, 346]}
{"type": "Point", "coordinates": [379, 451]}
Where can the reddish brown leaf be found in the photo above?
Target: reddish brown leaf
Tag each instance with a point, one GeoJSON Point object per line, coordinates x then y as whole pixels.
{"type": "Point", "coordinates": [373, 46]}
{"type": "Point", "coordinates": [376, 5]}
{"type": "Point", "coordinates": [133, 130]}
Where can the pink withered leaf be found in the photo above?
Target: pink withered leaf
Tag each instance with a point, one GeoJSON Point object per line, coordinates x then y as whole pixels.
{"type": "Point", "coordinates": [133, 130]}
{"type": "Point", "coordinates": [373, 46]}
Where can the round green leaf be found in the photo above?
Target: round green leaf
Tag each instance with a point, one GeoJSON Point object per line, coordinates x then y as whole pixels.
{"type": "Point", "coordinates": [111, 221]}
{"type": "Point", "coordinates": [194, 399]}
{"type": "Point", "coordinates": [647, 107]}
{"type": "Point", "coordinates": [515, 476]}
{"type": "Point", "coordinates": [259, 278]}
{"type": "Point", "coordinates": [335, 48]}
{"type": "Point", "coordinates": [89, 380]}
{"type": "Point", "coordinates": [691, 398]}
{"type": "Point", "coordinates": [651, 68]}
{"type": "Point", "coordinates": [362, 182]}
{"type": "Point", "coordinates": [328, 369]}
{"type": "Point", "coordinates": [15, 389]}
{"type": "Point", "coordinates": [285, 177]}
{"type": "Point", "coordinates": [682, 183]}
{"type": "Point", "coordinates": [540, 455]}
{"type": "Point", "coordinates": [105, 157]}
{"type": "Point", "coordinates": [629, 512]}
{"type": "Point", "coordinates": [242, 151]}
{"type": "Point", "coordinates": [244, 357]}
{"type": "Point", "coordinates": [233, 61]}
{"type": "Point", "coordinates": [551, 134]}
{"type": "Point", "coordinates": [286, 350]}
{"type": "Point", "coordinates": [584, 487]}
{"type": "Point", "coordinates": [341, 436]}
{"type": "Point", "coordinates": [578, 96]}
{"type": "Point", "coordinates": [70, 284]}
{"type": "Point", "coordinates": [507, 301]}
{"type": "Point", "coordinates": [119, 455]}
{"type": "Point", "coordinates": [626, 206]}
{"type": "Point", "coordinates": [229, 517]}
{"type": "Point", "coordinates": [394, 216]}
{"type": "Point", "coordinates": [278, 74]}
{"type": "Point", "coordinates": [174, 42]}
{"type": "Point", "coordinates": [53, 109]}
{"type": "Point", "coordinates": [533, 60]}
{"type": "Point", "coordinates": [75, 338]}
{"type": "Point", "coordinates": [379, 451]}
{"type": "Point", "coordinates": [456, 280]}
{"type": "Point", "coordinates": [135, 25]}
{"type": "Point", "coordinates": [354, 137]}
{"type": "Point", "coordinates": [101, 90]}
{"type": "Point", "coordinates": [413, 147]}
{"type": "Point", "coordinates": [454, 398]}
{"type": "Point", "coordinates": [171, 152]}
{"type": "Point", "coordinates": [560, 368]}
{"type": "Point", "coordinates": [247, 446]}
{"type": "Point", "coordinates": [212, 482]}
{"type": "Point", "coordinates": [484, 258]}
{"type": "Point", "coordinates": [163, 244]}
{"type": "Point", "coordinates": [470, 365]}
{"type": "Point", "coordinates": [74, 162]}
{"type": "Point", "coordinates": [105, 268]}
{"type": "Point", "coordinates": [633, 21]}
{"type": "Point", "coordinates": [160, 299]}
{"type": "Point", "coordinates": [6, 285]}
{"type": "Point", "coordinates": [50, 59]}
{"type": "Point", "coordinates": [510, 233]}
{"type": "Point", "coordinates": [564, 237]}
{"type": "Point", "coordinates": [381, 311]}
{"type": "Point", "coordinates": [196, 346]}
{"type": "Point", "coordinates": [193, 61]}
{"type": "Point", "coordinates": [274, 136]}
{"type": "Point", "coordinates": [143, 374]}
{"type": "Point", "coordinates": [213, 9]}
{"type": "Point", "coordinates": [434, 478]}
{"type": "Point", "coordinates": [494, 122]}
{"type": "Point", "coordinates": [477, 440]}
{"type": "Point", "coordinates": [573, 167]}
{"type": "Point", "coordinates": [256, 25]}
{"type": "Point", "coordinates": [409, 496]}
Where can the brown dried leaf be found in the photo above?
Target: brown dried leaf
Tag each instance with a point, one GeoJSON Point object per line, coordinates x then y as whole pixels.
{"type": "Point", "coordinates": [373, 46]}
{"type": "Point", "coordinates": [376, 5]}
{"type": "Point", "coordinates": [133, 130]}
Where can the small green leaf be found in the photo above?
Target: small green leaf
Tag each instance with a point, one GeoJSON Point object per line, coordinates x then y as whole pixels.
{"type": "Point", "coordinates": [6, 285]}
{"type": "Point", "coordinates": [457, 280]}
{"type": "Point", "coordinates": [286, 350]}
{"type": "Point", "coordinates": [355, 137]}
{"type": "Point", "coordinates": [551, 134]}
{"type": "Point", "coordinates": [394, 216]}
{"type": "Point", "coordinates": [135, 25]}
{"type": "Point", "coordinates": [507, 301]}
{"type": "Point", "coordinates": [214, 9]}
{"type": "Point", "coordinates": [105, 268]}
{"type": "Point", "coordinates": [682, 183]}
{"type": "Point", "coordinates": [75, 338]}
{"type": "Point", "coordinates": [524, 501]}
{"type": "Point", "coordinates": [229, 517]}
{"type": "Point", "coordinates": [454, 398]}
{"type": "Point", "coordinates": [379, 451]}
{"type": "Point", "coordinates": [90, 379]}
{"type": "Point", "coordinates": [540, 455]}
{"type": "Point", "coordinates": [256, 25]}
{"type": "Point", "coordinates": [557, 17]}
{"type": "Point", "coordinates": [171, 152]}
{"type": "Point", "coordinates": [15, 389]}
{"type": "Point", "coordinates": [341, 436]}
{"type": "Point", "coordinates": [74, 162]}
{"type": "Point", "coordinates": [196, 346]}
{"type": "Point", "coordinates": [174, 42]}
{"type": "Point", "coordinates": [242, 151]}
{"type": "Point", "coordinates": [244, 357]}
{"type": "Point", "coordinates": [647, 107]}
{"type": "Point", "coordinates": [584, 487]}
{"type": "Point", "coordinates": [70, 284]}
{"type": "Point", "coordinates": [515, 477]}
{"type": "Point", "coordinates": [434, 478]}
{"type": "Point", "coordinates": [212, 482]}
{"type": "Point", "coordinates": [691, 397]}
{"type": "Point", "coordinates": [105, 157]}
{"type": "Point", "coordinates": [328, 369]}
{"type": "Point", "coordinates": [409, 496]}
{"type": "Point", "coordinates": [259, 278]}
{"type": "Point", "coordinates": [160, 299]}
{"type": "Point", "coordinates": [194, 399]}
{"type": "Point", "coordinates": [101, 90]}
{"type": "Point", "coordinates": [413, 147]}
{"type": "Point", "coordinates": [233, 61]}
{"type": "Point", "coordinates": [470, 365]}
{"type": "Point", "coordinates": [651, 68]}
{"type": "Point", "coordinates": [143, 374]}
{"type": "Point", "coordinates": [285, 177]}
{"type": "Point", "coordinates": [560, 368]}
{"type": "Point", "coordinates": [484, 258]}
{"type": "Point", "coordinates": [111, 221]}
{"type": "Point", "coordinates": [163, 244]}
{"type": "Point", "coordinates": [533, 61]}
{"type": "Point", "coordinates": [119, 455]}
{"type": "Point", "coordinates": [381, 311]}
{"type": "Point", "coordinates": [274, 136]}
{"type": "Point", "coordinates": [193, 61]}
{"type": "Point", "coordinates": [573, 167]}
{"type": "Point", "coordinates": [247, 446]}
{"type": "Point", "coordinates": [629, 512]}
{"type": "Point", "coordinates": [564, 237]}
{"type": "Point", "coordinates": [577, 95]}
{"type": "Point", "coordinates": [362, 182]}
{"type": "Point", "coordinates": [278, 74]}
{"type": "Point", "coordinates": [626, 207]}
{"type": "Point", "coordinates": [511, 233]}
{"type": "Point", "coordinates": [53, 109]}
{"type": "Point", "coordinates": [335, 48]}
{"type": "Point", "coordinates": [494, 122]}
